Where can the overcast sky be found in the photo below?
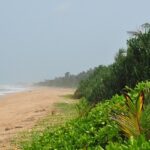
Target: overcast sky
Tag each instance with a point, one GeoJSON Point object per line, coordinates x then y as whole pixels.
{"type": "Point", "coordinates": [41, 39]}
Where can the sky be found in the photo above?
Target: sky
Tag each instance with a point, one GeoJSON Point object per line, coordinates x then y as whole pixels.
{"type": "Point", "coordinates": [42, 39]}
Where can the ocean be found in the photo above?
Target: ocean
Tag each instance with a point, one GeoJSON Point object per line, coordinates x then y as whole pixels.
{"type": "Point", "coordinates": [8, 89]}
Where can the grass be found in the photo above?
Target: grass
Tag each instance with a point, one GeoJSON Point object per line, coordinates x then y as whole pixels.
{"type": "Point", "coordinates": [69, 96]}
{"type": "Point", "coordinates": [95, 130]}
{"type": "Point", "coordinates": [61, 113]}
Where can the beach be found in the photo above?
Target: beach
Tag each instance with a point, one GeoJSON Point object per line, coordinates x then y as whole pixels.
{"type": "Point", "coordinates": [20, 111]}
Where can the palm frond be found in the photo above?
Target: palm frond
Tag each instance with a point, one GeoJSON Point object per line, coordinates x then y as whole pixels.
{"type": "Point", "coordinates": [139, 105]}
{"type": "Point", "coordinates": [129, 118]}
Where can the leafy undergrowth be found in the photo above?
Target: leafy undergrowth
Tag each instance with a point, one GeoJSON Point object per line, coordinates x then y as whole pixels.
{"type": "Point", "coordinates": [93, 130]}
{"type": "Point", "coordinates": [61, 113]}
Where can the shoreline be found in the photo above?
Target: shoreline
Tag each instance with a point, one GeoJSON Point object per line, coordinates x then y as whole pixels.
{"type": "Point", "coordinates": [20, 111]}
{"type": "Point", "coordinates": [7, 90]}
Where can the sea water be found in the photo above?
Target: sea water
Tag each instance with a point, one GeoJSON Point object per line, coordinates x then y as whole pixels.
{"type": "Point", "coordinates": [8, 89]}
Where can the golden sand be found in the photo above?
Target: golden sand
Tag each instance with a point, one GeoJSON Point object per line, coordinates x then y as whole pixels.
{"type": "Point", "coordinates": [20, 111]}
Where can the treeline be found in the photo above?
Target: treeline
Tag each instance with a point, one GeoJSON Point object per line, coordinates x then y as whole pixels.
{"type": "Point", "coordinates": [131, 66]}
{"type": "Point", "coordinates": [68, 80]}
{"type": "Point", "coordinates": [115, 124]}
{"type": "Point", "coordinates": [119, 123]}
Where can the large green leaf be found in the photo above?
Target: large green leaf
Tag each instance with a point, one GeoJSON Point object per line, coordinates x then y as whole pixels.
{"type": "Point", "coordinates": [129, 118]}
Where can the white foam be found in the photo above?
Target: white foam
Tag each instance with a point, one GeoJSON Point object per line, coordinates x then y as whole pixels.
{"type": "Point", "coordinates": [8, 89]}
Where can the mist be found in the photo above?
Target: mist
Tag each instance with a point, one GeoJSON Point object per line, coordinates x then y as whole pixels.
{"type": "Point", "coordinates": [43, 39]}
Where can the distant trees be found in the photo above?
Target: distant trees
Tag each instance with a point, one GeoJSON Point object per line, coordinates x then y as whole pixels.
{"type": "Point", "coordinates": [130, 67]}
{"type": "Point", "coordinates": [68, 80]}
{"type": "Point", "coordinates": [67, 74]}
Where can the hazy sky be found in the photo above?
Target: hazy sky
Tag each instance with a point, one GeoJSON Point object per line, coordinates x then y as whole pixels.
{"type": "Point", "coordinates": [41, 39]}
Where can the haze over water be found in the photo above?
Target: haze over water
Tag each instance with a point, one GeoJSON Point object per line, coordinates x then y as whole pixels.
{"type": "Point", "coordinates": [44, 39]}
{"type": "Point", "coordinates": [8, 89]}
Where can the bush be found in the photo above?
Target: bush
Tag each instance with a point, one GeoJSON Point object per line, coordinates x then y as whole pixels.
{"type": "Point", "coordinates": [130, 67]}
{"type": "Point", "coordinates": [95, 130]}
{"type": "Point", "coordinates": [132, 144]}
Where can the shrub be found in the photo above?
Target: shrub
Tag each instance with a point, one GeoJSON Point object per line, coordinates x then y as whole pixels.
{"type": "Point", "coordinates": [129, 116]}
{"type": "Point", "coordinates": [132, 144]}
{"type": "Point", "coordinates": [95, 130]}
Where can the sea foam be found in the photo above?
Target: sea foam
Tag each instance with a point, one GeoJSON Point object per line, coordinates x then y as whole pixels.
{"type": "Point", "coordinates": [8, 89]}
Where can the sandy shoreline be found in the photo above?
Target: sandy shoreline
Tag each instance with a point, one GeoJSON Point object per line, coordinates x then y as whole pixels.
{"type": "Point", "coordinates": [20, 111]}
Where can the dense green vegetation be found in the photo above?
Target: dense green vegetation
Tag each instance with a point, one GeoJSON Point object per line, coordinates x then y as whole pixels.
{"type": "Point", "coordinates": [97, 129]}
{"type": "Point", "coordinates": [118, 115]}
{"type": "Point", "coordinates": [68, 80]}
{"type": "Point", "coordinates": [93, 88]}
{"type": "Point", "coordinates": [130, 67]}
